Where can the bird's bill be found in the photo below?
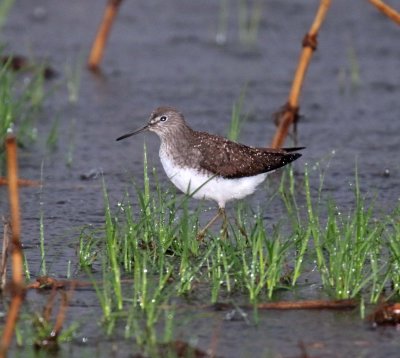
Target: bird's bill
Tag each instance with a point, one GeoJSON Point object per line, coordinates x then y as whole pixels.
{"type": "Point", "coordinates": [145, 128]}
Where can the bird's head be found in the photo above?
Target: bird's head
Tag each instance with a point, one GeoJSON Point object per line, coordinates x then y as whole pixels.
{"type": "Point", "coordinates": [163, 121]}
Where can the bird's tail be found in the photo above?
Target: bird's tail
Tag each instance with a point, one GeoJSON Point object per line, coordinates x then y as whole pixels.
{"type": "Point", "coordinates": [293, 149]}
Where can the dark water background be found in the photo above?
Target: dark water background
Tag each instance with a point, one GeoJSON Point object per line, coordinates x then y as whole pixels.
{"type": "Point", "coordinates": [164, 53]}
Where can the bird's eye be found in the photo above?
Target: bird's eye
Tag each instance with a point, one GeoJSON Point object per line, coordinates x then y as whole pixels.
{"type": "Point", "coordinates": [163, 118]}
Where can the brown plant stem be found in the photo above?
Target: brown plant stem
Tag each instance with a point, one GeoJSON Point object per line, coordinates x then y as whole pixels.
{"type": "Point", "coordinates": [310, 304]}
{"type": "Point", "coordinates": [51, 342]}
{"type": "Point", "coordinates": [387, 10]}
{"type": "Point", "coordinates": [46, 282]}
{"type": "Point", "coordinates": [295, 305]}
{"type": "Point", "coordinates": [4, 254]}
{"type": "Point", "coordinates": [21, 182]}
{"type": "Point", "coordinates": [387, 313]}
{"type": "Point", "coordinates": [17, 286]}
{"type": "Point", "coordinates": [97, 51]}
{"type": "Point", "coordinates": [48, 308]}
{"type": "Point", "coordinates": [215, 338]}
{"type": "Point", "coordinates": [345, 304]}
{"type": "Point", "coordinates": [289, 114]}
{"type": "Point", "coordinates": [62, 311]}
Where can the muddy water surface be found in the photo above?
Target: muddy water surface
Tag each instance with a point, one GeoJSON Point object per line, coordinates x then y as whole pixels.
{"type": "Point", "coordinates": [164, 53]}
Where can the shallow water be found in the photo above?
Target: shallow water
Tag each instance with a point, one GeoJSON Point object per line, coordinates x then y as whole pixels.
{"type": "Point", "coordinates": [166, 54]}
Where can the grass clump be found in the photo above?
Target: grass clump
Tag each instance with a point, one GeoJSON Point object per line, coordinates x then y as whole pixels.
{"type": "Point", "coordinates": [249, 15]}
{"type": "Point", "coordinates": [151, 258]}
{"type": "Point", "coordinates": [20, 102]}
{"type": "Point", "coordinates": [348, 248]}
{"type": "Point", "coordinates": [154, 244]}
{"type": "Point", "coordinates": [394, 251]}
{"type": "Point", "coordinates": [249, 19]}
{"type": "Point", "coordinates": [263, 261]}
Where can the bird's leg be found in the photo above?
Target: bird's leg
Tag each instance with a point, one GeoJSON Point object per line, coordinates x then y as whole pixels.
{"type": "Point", "coordinates": [221, 211]}
{"type": "Point", "coordinates": [224, 224]}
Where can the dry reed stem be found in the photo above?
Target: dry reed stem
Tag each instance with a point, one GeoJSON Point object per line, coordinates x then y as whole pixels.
{"type": "Point", "coordinates": [12, 317]}
{"type": "Point", "coordinates": [387, 10]}
{"type": "Point", "coordinates": [62, 312]}
{"type": "Point", "coordinates": [290, 111]}
{"type": "Point", "coordinates": [46, 282]}
{"type": "Point", "coordinates": [303, 350]}
{"type": "Point", "coordinates": [4, 254]}
{"type": "Point", "coordinates": [281, 305]}
{"type": "Point", "coordinates": [386, 314]}
{"type": "Point", "coordinates": [310, 304]}
{"type": "Point", "coordinates": [97, 51]}
{"type": "Point", "coordinates": [17, 287]}
{"type": "Point", "coordinates": [48, 308]}
{"type": "Point", "coordinates": [12, 170]}
{"type": "Point", "coordinates": [296, 305]}
{"type": "Point", "coordinates": [51, 342]}
{"type": "Point", "coordinates": [21, 182]}
{"type": "Point", "coordinates": [179, 348]}
{"type": "Point", "coordinates": [215, 339]}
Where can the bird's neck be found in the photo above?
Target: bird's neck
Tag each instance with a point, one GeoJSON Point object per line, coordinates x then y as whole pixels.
{"type": "Point", "coordinates": [177, 137]}
{"type": "Point", "coordinates": [178, 145]}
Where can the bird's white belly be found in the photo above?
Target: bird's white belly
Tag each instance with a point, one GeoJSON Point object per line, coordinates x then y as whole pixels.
{"type": "Point", "coordinates": [203, 186]}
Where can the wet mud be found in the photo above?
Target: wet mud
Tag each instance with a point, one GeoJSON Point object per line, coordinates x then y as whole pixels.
{"type": "Point", "coordinates": [165, 53]}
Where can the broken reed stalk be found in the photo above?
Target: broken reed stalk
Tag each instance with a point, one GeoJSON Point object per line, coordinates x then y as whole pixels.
{"type": "Point", "coordinates": [295, 305]}
{"type": "Point", "coordinates": [386, 314]}
{"type": "Point", "coordinates": [309, 305]}
{"type": "Point", "coordinates": [48, 308]}
{"type": "Point", "coordinates": [17, 286]}
{"type": "Point", "coordinates": [21, 182]}
{"type": "Point", "coordinates": [387, 10]}
{"type": "Point", "coordinates": [4, 254]}
{"type": "Point", "coordinates": [46, 282]}
{"type": "Point", "coordinates": [97, 51]}
{"type": "Point", "coordinates": [215, 339]}
{"type": "Point", "coordinates": [341, 304]}
{"type": "Point", "coordinates": [62, 311]}
{"type": "Point", "coordinates": [289, 113]}
{"type": "Point", "coordinates": [51, 342]}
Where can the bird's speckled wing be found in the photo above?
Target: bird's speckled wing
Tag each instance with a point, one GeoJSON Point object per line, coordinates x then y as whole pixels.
{"type": "Point", "coordinates": [233, 160]}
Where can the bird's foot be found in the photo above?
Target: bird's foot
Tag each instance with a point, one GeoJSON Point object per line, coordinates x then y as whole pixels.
{"type": "Point", "coordinates": [224, 233]}
{"type": "Point", "coordinates": [202, 233]}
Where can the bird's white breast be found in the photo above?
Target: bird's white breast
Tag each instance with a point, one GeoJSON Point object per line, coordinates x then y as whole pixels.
{"type": "Point", "coordinates": [204, 186]}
